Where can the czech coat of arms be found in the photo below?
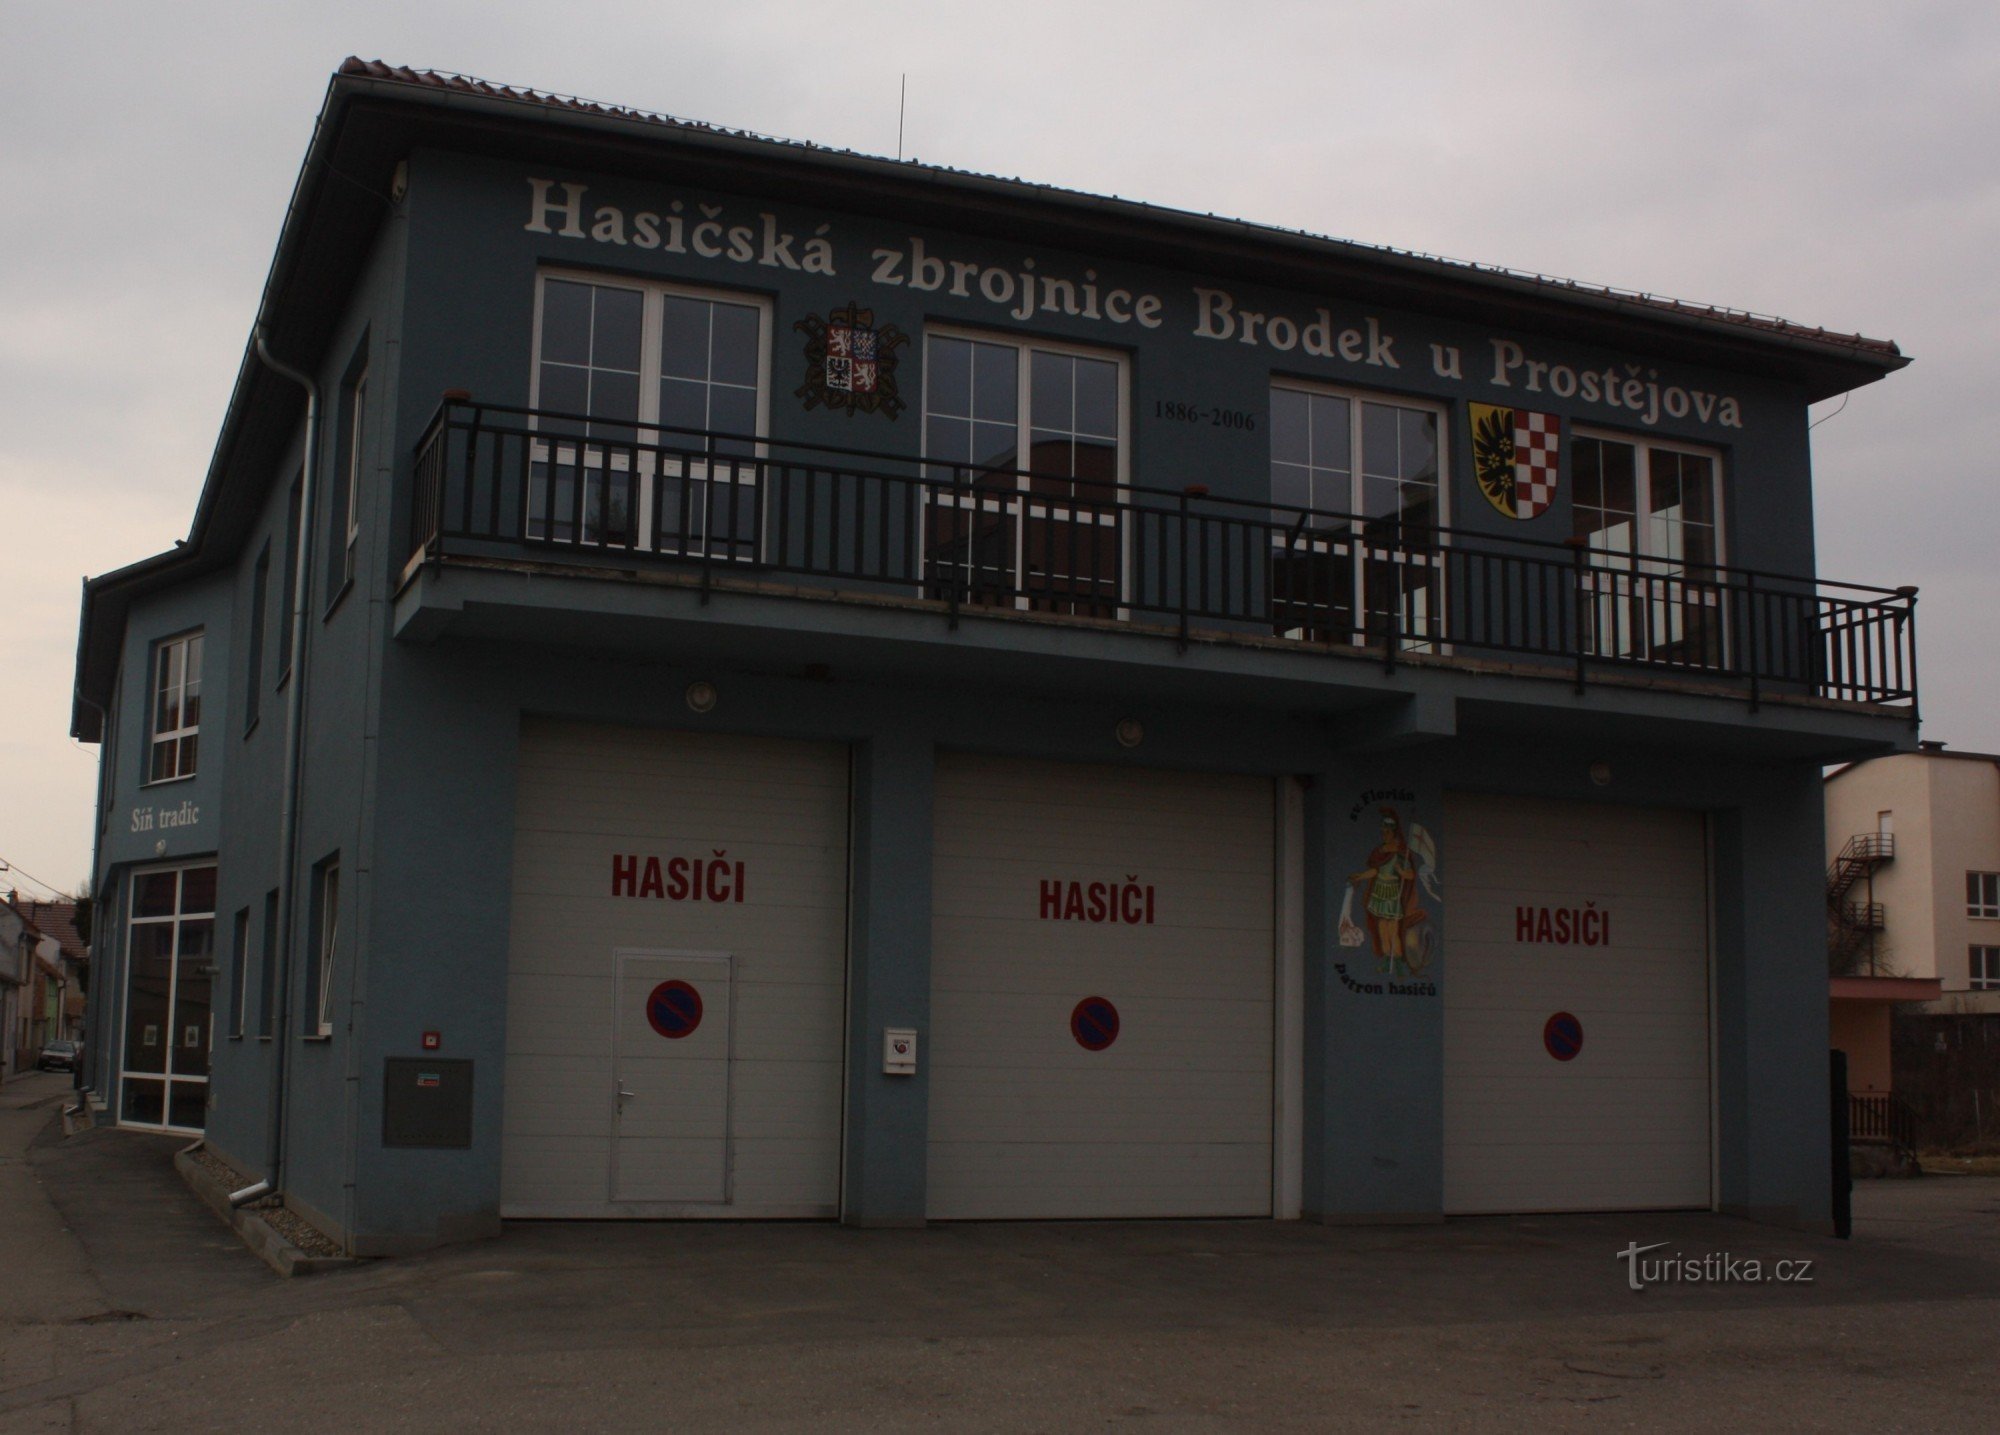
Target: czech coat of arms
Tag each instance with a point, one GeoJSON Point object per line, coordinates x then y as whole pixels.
{"type": "Point", "coordinates": [1515, 457]}
{"type": "Point", "coordinates": [851, 362]}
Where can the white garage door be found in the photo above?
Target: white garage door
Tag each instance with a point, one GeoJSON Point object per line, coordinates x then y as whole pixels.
{"type": "Point", "coordinates": [676, 975]}
{"type": "Point", "coordinates": [1576, 996]}
{"type": "Point", "coordinates": [1101, 993]}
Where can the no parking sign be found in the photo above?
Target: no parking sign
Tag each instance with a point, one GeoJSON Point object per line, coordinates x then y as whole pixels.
{"type": "Point", "coordinates": [1562, 1034]}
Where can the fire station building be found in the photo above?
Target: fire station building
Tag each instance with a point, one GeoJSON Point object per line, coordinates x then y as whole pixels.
{"type": "Point", "coordinates": [716, 678]}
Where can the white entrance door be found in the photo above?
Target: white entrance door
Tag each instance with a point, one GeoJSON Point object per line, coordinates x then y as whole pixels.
{"type": "Point", "coordinates": [672, 1091]}
{"type": "Point", "coordinates": [1576, 998]}
{"type": "Point", "coordinates": [1101, 992]}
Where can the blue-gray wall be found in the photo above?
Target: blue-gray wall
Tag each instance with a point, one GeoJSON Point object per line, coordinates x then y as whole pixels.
{"type": "Point", "coordinates": [410, 749]}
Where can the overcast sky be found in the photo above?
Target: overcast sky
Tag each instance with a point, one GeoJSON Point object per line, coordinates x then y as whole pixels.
{"type": "Point", "coordinates": [1836, 163]}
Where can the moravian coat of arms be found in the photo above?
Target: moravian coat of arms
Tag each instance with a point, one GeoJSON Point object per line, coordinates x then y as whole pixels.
{"type": "Point", "coordinates": [851, 362]}
{"type": "Point", "coordinates": [1516, 456]}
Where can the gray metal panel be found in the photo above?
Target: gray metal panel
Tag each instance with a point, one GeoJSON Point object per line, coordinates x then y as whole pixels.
{"type": "Point", "coordinates": [427, 1102]}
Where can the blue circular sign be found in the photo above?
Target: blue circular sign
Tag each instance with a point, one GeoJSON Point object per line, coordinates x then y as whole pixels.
{"type": "Point", "coordinates": [673, 1009]}
{"type": "Point", "coordinates": [1562, 1034]}
{"type": "Point", "coordinates": [1094, 1023]}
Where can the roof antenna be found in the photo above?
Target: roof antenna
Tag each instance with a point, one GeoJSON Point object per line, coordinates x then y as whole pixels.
{"type": "Point", "coordinates": [902, 96]}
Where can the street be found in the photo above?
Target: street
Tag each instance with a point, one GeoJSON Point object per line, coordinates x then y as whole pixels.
{"type": "Point", "coordinates": [128, 1306]}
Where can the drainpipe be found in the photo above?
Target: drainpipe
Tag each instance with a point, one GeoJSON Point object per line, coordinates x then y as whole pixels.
{"type": "Point", "coordinates": [288, 812]}
{"type": "Point", "coordinates": [93, 1009]}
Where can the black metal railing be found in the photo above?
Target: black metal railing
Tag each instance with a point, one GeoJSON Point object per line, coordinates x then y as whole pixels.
{"type": "Point", "coordinates": [497, 481]}
{"type": "Point", "coordinates": [1881, 1117]}
{"type": "Point", "coordinates": [1858, 857]}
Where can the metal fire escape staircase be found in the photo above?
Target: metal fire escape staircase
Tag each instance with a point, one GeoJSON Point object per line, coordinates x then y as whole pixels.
{"type": "Point", "coordinates": [1856, 863]}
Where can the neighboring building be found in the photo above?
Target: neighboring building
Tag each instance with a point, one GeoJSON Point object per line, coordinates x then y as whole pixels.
{"type": "Point", "coordinates": [829, 687]}
{"type": "Point", "coordinates": [1913, 881]}
{"type": "Point", "coordinates": [42, 970]}
{"type": "Point", "coordinates": [17, 966]}
{"type": "Point", "coordinates": [1921, 830]}
{"type": "Point", "coordinates": [64, 1007]}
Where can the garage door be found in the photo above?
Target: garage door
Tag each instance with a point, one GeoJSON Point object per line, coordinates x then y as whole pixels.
{"type": "Point", "coordinates": [676, 975]}
{"type": "Point", "coordinates": [1576, 1030]}
{"type": "Point", "coordinates": [1101, 1009]}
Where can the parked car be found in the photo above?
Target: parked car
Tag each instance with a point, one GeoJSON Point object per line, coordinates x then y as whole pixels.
{"type": "Point", "coordinates": [60, 1056]}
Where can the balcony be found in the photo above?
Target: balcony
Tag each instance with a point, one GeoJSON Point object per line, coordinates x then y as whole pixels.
{"type": "Point", "coordinates": [509, 486]}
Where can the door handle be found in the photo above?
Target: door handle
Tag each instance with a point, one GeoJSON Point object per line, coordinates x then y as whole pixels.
{"type": "Point", "coordinates": [624, 1096]}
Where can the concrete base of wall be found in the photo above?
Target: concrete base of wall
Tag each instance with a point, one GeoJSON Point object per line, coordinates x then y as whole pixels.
{"type": "Point", "coordinates": [1374, 1218]}
{"type": "Point", "coordinates": [250, 1226]}
{"type": "Point", "coordinates": [885, 1223]}
{"type": "Point", "coordinates": [1786, 1216]}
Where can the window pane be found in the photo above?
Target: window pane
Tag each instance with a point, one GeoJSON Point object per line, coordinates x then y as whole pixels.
{"type": "Point", "coordinates": [1291, 433]}
{"type": "Point", "coordinates": [1051, 392]}
{"type": "Point", "coordinates": [948, 379]}
{"type": "Point", "coordinates": [145, 1102]}
{"type": "Point", "coordinates": [153, 894]}
{"type": "Point", "coordinates": [190, 1020]}
{"type": "Point", "coordinates": [1417, 435]}
{"type": "Point", "coordinates": [1618, 464]}
{"type": "Point", "coordinates": [732, 410]}
{"type": "Point", "coordinates": [614, 336]}
{"type": "Point", "coordinates": [993, 445]}
{"type": "Point", "coordinates": [996, 384]}
{"type": "Point", "coordinates": [684, 338]}
{"type": "Point", "coordinates": [1586, 476]}
{"type": "Point", "coordinates": [1379, 445]}
{"type": "Point", "coordinates": [684, 405]}
{"type": "Point", "coordinates": [1291, 484]}
{"type": "Point", "coordinates": [1050, 454]}
{"type": "Point", "coordinates": [613, 396]}
{"type": "Point", "coordinates": [198, 890]}
{"type": "Point", "coordinates": [188, 1105]}
{"type": "Point", "coordinates": [566, 322]}
{"type": "Point", "coordinates": [948, 440]}
{"type": "Point", "coordinates": [152, 970]}
{"type": "Point", "coordinates": [1333, 446]}
{"type": "Point", "coordinates": [565, 390]}
{"type": "Point", "coordinates": [1097, 398]}
{"type": "Point", "coordinates": [733, 359]}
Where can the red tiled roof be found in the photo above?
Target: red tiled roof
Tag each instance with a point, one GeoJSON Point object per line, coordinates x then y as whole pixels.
{"type": "Point", "coordinates": [54, 919]}
{"type": "Point", "coordinates": [1742, 318]}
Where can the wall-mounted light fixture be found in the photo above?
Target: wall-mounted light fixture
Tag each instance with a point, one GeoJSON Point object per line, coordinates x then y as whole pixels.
{"type": "Point", "coordinates": [701, 697]}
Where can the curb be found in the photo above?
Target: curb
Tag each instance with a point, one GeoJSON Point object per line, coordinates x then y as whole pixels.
{"type": "Point", "coordinates": [251, 1228]}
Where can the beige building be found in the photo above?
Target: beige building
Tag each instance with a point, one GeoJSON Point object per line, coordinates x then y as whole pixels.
{"type": "Point", "coordinates": [1918, 837]}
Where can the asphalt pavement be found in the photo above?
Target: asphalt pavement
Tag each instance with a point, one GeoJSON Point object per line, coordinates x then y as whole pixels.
{"type": "Point", "coordinates": [127, 1306]}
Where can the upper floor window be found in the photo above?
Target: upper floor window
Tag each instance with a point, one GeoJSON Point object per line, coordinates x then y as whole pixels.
{"type": "Point", "coordinates": [1371, 470]}
{"type": "Point", "coordinates": [1035, 432]}
{"type": "Point", "coordinates": [176, 709]}
{"type": "Point", "coordinates": [683, 370]}
{"type": "Point", "coordinates": [326, 943]}
{"type": "Point", "coordinates": [1647, 500]}
{"type": "Point", "coordinates": [253, 688]}
{"type": "Point", "coordinates": [343, 527]}
{"type": "Point", "coordinates": [1655, 511]}
{"type": "Point", "coordinates": [1983, 965]}
{"type": "Point", "coordinates": [1982, 894]}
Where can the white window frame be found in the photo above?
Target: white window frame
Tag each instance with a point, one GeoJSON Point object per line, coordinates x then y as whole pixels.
{"type": "Point", "coordinates": [1982, 895]}
{"type": "Point", "coordinates": [1645, 572]}
{"type": "Point", "coordinates": [357, 393]}
{"type": "Point", "coordinates": [652, 325]}
{"type": "Point", "coordinates": [1982, 966]}
{"type": "Point", "coordinates": [156, 735]}
{"type": "Point", "coordinates": [1324, 540]}
{"type": "Point", "coordinates": [1019, 501]}
{"type": "Point", "coordinates": [239, 943]}
{"type": "Point", "coordinates": [326, 942]}
{"type": "Point", "coordinates": [165, 1076]}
